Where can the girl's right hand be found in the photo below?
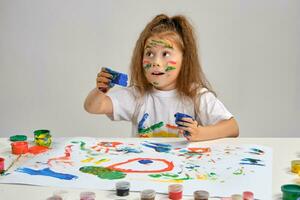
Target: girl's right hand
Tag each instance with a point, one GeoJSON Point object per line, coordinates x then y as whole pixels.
{"type": "Point", "coordinates": [103, 80]}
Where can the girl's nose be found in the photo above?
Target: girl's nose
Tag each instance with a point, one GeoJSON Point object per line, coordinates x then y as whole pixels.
{"type": "Point", "coordinates": [157, 62]}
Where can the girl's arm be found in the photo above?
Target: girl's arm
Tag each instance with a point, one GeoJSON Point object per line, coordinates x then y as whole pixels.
{"type": "Point", "coordinates": [98, 102]}
{"type": "Point", "coordinates": [225, 128]}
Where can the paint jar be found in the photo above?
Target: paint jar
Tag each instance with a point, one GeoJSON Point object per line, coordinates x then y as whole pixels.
{"type": "Point", "coordinates": [122, 188]}
{"type": "Point", "coordinates": [1, 164]}
{"type": "Point", "coordinates": [236, 197]}
{"type": "Point", "coordinates": [148, 195]}
{"type": "Point", "coordinates": [19, 147]}
{"type": "Point", "coordinates": [54, 198]}
{"type": "Point", "coordinates": [290, 192]}
{"type": "Point", "coordinates": [175, 191]}
{"type": "Point", "coordinates": [247, 195]}
{"type": "Point", "coordinates": [42, 137]}
{"type": "Point", "coordinates": [61, 194]}
{"type": "Point", "coordinates": [201, 195]}
{"type": "Point", "coordinates": [87, 196]}
{"type": "Point", "coordinates": [15, 138]}
{"type": "Point", "coordinates": [295, 166]}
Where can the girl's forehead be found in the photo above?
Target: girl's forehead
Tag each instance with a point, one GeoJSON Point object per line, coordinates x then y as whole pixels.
{"type": "Point", "coordinates": [165, 42]}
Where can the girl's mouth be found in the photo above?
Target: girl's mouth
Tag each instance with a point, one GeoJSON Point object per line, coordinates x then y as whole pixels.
{"type": "Point", "coordinates": [157, 73]}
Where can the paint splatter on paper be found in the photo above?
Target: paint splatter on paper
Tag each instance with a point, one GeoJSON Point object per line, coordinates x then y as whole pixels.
{"type": "Point", "coordinates": [94, 163]}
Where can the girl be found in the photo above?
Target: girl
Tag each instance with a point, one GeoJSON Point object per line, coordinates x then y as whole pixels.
{"type": "Point", "coordinates": [166, 78]}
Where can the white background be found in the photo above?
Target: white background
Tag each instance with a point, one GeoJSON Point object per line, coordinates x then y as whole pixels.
{"type": "Point", "coordinates": [51, 51]}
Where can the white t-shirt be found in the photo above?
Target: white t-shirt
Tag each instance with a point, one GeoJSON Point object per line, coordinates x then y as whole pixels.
{"type": "Point", "coordinates": [158, 109]}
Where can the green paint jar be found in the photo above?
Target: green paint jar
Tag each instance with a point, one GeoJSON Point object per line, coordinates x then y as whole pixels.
{"type": "Point", "coordinates": [290, 192]}
{"type": "Point", "coordinates": [15, 138]}
{"type": "Point", "coordinates": [42, 137]}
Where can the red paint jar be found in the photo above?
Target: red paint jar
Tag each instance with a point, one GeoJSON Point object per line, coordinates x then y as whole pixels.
{"type": "Point", "coordinates": [19, 147]}
{"type": "Point", "coordinates": [247, 195]}
{"type": "Point", "coordinates": [1, 165]}
{"type": "Point", "coordinates": [175, 191]}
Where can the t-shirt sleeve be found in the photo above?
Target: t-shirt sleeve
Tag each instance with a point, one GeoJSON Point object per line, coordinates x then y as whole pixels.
{"type": "Point", "coordinates": [124, 102]}
{"type": "Point", "coordinates": [212, 110]}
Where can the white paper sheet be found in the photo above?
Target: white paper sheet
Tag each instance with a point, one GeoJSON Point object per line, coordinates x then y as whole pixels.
{"type": "Point", "coordinates": [220, 169]}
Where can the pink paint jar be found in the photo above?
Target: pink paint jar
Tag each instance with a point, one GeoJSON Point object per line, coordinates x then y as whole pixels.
{"type": "Point", "coordinates": [1, 165]}
{"type": "Point", "coordinates": [19, 147]}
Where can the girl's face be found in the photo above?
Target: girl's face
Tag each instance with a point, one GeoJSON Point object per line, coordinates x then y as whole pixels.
{"type": "Point", "coordinates": [162, 62]}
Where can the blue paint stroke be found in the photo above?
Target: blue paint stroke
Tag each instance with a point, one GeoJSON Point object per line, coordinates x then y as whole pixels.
{"type": "Point", "coordinates": [251, 161]}
{"type": "Point", "coordinates": [256, 151]}
{"type": "Point", "coordinates": [129, 150]}
{"type": "Point", "coordinates": [46, 172]}
{"type": "Point", "coordinates": [158, 147]}
{"type": "Point", "coordinates": [145, 161]}
{"type": "Point", "coordinates": [141, 123]}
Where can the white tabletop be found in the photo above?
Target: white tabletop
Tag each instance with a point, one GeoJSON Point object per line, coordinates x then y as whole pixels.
{"type": "Point", "coordinates": [284, 151]}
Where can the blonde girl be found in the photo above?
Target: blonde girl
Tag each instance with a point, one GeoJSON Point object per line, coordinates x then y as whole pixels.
{"type": "Point", "coordinates": [166, 78]}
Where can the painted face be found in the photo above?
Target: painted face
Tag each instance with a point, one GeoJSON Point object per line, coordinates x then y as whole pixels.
{"type": "Point", "coordinates": [162, 62]}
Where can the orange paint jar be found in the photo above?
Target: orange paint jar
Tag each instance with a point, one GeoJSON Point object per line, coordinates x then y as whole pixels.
{"type": "Point", "coordinates": [19, 147]}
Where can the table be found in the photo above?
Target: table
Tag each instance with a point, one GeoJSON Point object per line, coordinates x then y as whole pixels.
{"type": "Point", "coordinates": [284, 151]}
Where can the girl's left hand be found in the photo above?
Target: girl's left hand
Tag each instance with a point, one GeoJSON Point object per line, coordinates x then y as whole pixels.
{"type": "Point", "coordinates": [192, 127]}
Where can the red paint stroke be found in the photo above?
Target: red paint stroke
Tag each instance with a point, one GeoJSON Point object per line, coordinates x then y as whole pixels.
{"type": "Point", "coordinates": [38, 149]}
{"type": "Point", "coordinates": [146, 61]}
{"type": "Point", "coordinates": [64, 159]}
{"type": "Point", "coordinates": [171, 126]}
{"type": "Point", "coordinates": [106, 145]}
{"type": "Point", "coordinates": [172, 62]}
{"type": "Point", "coordinates": [199, 150]}
{"type": "Point", "coordinates": [169, 167]}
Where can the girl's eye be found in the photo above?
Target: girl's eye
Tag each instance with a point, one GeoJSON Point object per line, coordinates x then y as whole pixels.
{"type": "Point", "coordinates": [166, 54]}
{"type": "Point", "coordinates": [149, 54]}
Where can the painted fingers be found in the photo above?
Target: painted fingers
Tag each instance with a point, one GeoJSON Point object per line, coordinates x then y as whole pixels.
{"type": "Point", "coordinates": [191, 126]}
{"type": "Point", "coordinates": [103, 80]}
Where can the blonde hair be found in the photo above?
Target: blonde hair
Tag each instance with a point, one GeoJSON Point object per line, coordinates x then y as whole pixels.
{"type": "Point", "coordinates": [191, 77]}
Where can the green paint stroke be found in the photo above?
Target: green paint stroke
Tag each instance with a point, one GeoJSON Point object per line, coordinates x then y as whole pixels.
{"type": "Point", "coordinates": [147, 66]}
{"type": "Point", "coordinates": [102, 172]}
{"type": "Point", "coordinates": [169, 68]}
{"type": "Point", "coordinates": [170, 176]}
{"type": "Point", "coordinates": [83, 148]}
{"type": "Point", "coordinates": [238, 172]}
{"type": "Point", "coordinates": [151, 128]}
{"type": "Point", "coordinates": [155, 83]}
{"type": "Point", "coordinates": [161, 43]}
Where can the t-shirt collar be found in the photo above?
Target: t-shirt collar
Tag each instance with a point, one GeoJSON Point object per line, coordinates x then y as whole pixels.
{"type": "Point", "coordinates": [162, 93]}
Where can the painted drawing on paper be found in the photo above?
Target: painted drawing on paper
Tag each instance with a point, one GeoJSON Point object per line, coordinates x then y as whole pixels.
{"type": "Point", "coordinates": [94, 163]}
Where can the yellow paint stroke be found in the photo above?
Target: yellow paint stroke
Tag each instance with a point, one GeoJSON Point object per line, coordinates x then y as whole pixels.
{"type": "Point", "coordinates": [202, 177]}
{"type": "Point", "coordinates": [101, 161]}
{"type": "Point", "coordinates": [87, 160]}
{"type": "Point", "coordinates": [168, 181]}
{"type": "Point", "coordinates": [164, 134]}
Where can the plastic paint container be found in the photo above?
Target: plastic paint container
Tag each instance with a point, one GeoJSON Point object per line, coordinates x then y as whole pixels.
{"type": "Point", "coordinates": [19, 147]}
{"type": "Point", "coordinates": [62, 194]}
{"type": "Point", "coordinates": [236, 197]}
{"type": "Point", "coordinates": [201, 195]}
{"type": "Point", "coordinates": [295, 166]}
{"type": "Point", "coordinates": [290, 192]}
{"type": "Point", "coordinates": [15, 138]}
{"type": "Point", "coordinates": [54, 198]}
{"type": "Point", "coordinates": [42, 137]}
{"type": "Point", "coordinates": [148, 195]}
{"type": "Point", "coordinates": [87, 196]}
{"type": "Point", "coordinates": [1, 165]}
{"type": "Point", "coordinates": [175, 191]}
{"type": "Point", "coordinates": [247, 195]}
{"type": "Point", "coordinates": [122, 188]}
